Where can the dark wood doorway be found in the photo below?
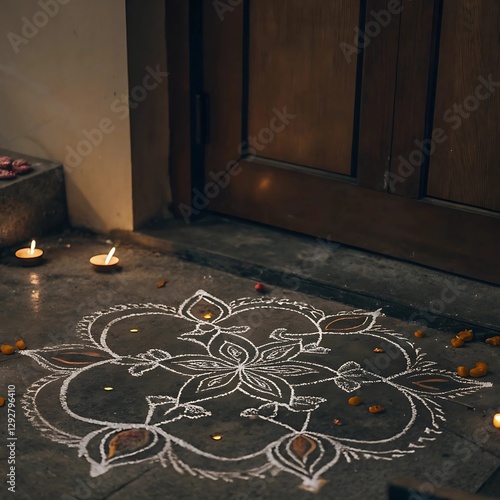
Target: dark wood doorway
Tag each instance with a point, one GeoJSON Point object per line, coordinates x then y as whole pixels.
{"type": "Point", "coordinates": [391, 147]}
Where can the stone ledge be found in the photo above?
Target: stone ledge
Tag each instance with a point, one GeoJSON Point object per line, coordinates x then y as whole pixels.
{"type": "Point", "coordinates": [33, 204]}
{"type": "Point", "coordinates": [404, 290]}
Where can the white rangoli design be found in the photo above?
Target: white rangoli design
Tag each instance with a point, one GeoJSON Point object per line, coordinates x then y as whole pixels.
{"type": "Point", "coordinates": [271, 393]}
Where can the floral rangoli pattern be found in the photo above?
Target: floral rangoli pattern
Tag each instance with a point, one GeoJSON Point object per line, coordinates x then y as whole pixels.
{"type": "Point", "coordinates": [270, 376]}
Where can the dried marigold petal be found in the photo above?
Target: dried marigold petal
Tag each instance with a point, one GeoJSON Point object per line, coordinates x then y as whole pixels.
{"type": "Point", "coordinates": [376, 409]}
{"type": "Point", "coordinates": [161, 284]}
{"type": "Point", "coordinates": [493, 340]}
{"type": "Point", "coordinates": [378, 349]}
{"type": "Point", "coordinates": [466, 335]}
{"type": "Point", "coordinates": [482, 365]}
{"type": "Point", "coordinates": [354, 400]}
{"type": "Point", "coordinates": [336, 421]}
{"type": "Point", "coordinates": [419, 334]}
{"type": "Point", "coordinates": [478, 372]}
{"type": "Point", "coordinates": [2, 401]}
{"type": "Point", "coordinates": [7, 349]}
{"type": "Point", "coordinates": [457, 342]}
{"type": "Point", "coordinates": [463, 371]}
{"type": "Point", "coordinates": [21, 344]}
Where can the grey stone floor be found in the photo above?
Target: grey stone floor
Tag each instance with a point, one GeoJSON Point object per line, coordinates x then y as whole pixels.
{"type": "Point", "coordinates": [44, 304]}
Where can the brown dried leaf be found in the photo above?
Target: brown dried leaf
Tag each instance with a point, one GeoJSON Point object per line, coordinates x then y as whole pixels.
{"type": "Point", "coordinates": [423, 383]}
{"type": "Point", "coordinates": [128, 441]}
{"type": "Point", "coordinates": [77, 358]}
{"type": "Point", "coordinates": [346, 323]}
{"type": "Point", "coordinates": [161, 284]}
{"type": "Point", "coordinates": [303, 446]}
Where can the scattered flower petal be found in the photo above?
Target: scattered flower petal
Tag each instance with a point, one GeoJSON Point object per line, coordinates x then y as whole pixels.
{"type": "Point", "coordinates": [7, 349]}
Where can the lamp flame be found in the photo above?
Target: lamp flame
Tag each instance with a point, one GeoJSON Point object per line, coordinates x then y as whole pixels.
{"type": "Point", "coordinates": [110, 254]}
{"type": "Point", "coordinates": [33, 246]}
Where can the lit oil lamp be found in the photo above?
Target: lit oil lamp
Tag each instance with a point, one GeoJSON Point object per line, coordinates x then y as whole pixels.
{"type": "Point", "coordinates": [103, 262]}
{"type": "Point", "coordinates": [30, 256]}
{"type": "Point", "coordinates": [496, 420]}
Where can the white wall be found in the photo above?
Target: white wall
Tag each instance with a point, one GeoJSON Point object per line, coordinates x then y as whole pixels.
{"type": "Point", "coordinates": [60, 80]}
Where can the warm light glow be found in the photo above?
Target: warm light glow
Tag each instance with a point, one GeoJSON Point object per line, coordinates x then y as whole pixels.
{"type": "Point", "coordinates": [110, 254]}
{"type": "Point", "coordinates": [207, 316]}
{"type": "Point", "coordinates": [265, 183]}
{"type": "Point", "coordinates": [134, 330]}
{"type": "Point", "coordinates": [35, 293]}
{"type": "Point", "coordinates": [108, 388]}
{"type": "Point", "coordinates": [33, 246]}
{"type": "Point", "coordinates": [216, 437]}
{"type": "Point", "coordinates": [496, 420]}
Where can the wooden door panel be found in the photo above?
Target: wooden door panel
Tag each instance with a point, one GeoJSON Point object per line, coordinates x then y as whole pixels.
{"type": "Point", "coordinates": [295, 63]}
{"type": "Point", "coordinates": [378, 80]}
{"type": "Point", "coordinates": [465, 168]}
{"type": "Point", "coordinates": [416, 62]}
{"type": "Point", "coordinates": [285, 187]}
{"type": "Point", "coordinates": [413, 230]}
{"type": "Point", "coordinates": [223, 81]}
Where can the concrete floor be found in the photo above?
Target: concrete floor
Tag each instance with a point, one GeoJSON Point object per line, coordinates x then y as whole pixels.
{"type": "Point", "coordinates": [271, 375]}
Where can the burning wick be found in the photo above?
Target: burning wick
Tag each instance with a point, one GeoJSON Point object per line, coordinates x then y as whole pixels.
{"type": "Point", "coordinates": [105, 262]}
{"type": "Point", "coordinates": [110, 255]}
{"type": "Point", "coordinates": [33, 246]}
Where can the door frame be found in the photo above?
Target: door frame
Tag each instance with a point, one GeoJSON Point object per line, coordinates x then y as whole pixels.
{"type": "Point", "coordinates": [474, 252]}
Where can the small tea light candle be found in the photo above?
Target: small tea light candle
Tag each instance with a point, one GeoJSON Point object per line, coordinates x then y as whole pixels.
{"type": "Point", "coordinates": [496, 420]}
{"type": "Point", "coordinates": [105, 262]}
{"type": "Point", "coordinates": [30, 256]}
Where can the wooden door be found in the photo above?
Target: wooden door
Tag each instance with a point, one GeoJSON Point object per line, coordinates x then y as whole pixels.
{"type": "Point", "coordinates": [311, 133]}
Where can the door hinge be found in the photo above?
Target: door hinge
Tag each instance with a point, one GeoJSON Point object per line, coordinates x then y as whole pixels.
{"type": "Point", "coordinates": [202, 117]}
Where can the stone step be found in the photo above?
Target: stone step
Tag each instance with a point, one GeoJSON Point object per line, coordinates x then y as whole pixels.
{"type": "Point", "coordinates": [33, 204]}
